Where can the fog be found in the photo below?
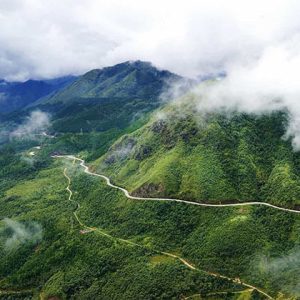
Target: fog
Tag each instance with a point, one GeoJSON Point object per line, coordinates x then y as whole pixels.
{"type": "Point", "coordinates": [15, 233]}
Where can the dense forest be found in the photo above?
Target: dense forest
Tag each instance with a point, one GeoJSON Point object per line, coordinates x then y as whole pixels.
{"type": "Point", "coordinates": [65, 234]}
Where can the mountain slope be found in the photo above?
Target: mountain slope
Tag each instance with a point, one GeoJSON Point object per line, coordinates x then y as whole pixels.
{"type": "Point", "coordinates": [112, 247]}
{"type": "Point", "coordinates": [65, 234]}
{"type": "Point", "coordinates": [181, 153]}
{"type": "Point", "coordinates": [68, 260]}
{"type": "Point", "coordinates": [139, 80]}
{"type": "Point", "coordinates": [112, 97]}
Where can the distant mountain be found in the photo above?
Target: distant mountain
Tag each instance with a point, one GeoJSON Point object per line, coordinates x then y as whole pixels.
{"type": "Point", "coordinates": [16, 95]}
{"type": "Point", "coordinates": [101, 99]}
{"type": "Point", "coordinates": [107, 98]}
{"type": "Point", "coordinates": [138, 79]}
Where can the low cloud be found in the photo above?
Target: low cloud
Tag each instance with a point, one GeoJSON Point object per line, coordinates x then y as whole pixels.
{"type": "Point", "coordinates": [176, 88]}
{"type": "Point", "coordinates": [121, 150]}
{"type": "Point", "coordinates": [264, 85]}
{"type": "Point", "coordinates": [35, 124]}
{"type": "Point", "coordinates": [15, 233]}
{"type": "Point", "coordinates": [27, 159]}
{"type": "Point", "coordinates": [257, 85]}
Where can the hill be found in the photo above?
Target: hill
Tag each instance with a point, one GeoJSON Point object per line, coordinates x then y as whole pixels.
{"type": "Point", "coordinates": [212, 158]}
{"type": "Point", "coordinates": [107, 98]}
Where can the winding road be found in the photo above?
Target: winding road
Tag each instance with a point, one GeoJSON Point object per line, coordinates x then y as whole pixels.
{"type": "Point", "coordinates": [108, 182]}
{"type": "Point", "coordinates": [182, 260]}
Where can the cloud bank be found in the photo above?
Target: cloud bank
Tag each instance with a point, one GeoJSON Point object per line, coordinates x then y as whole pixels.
{"type": "Point", "coordinates": [263, 85]}
{"type": "Point", "coordinates": [283, 270]}
{"type": "Point", "coordinates": [51, 38]}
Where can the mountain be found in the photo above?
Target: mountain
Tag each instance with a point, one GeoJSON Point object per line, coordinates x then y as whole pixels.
{"type": "Point", "coordinates": [103, 104]}
{"type": "Point", "coordinates": [67, 234]}
{"type": "Point", "coordinates": [183, 154]}
{"type": "Point", "coordinates": [16, 95]}
{"type": "Point", "coordinates": [107, 98]}
{"type": "Point", "coordinates": [136, 79]}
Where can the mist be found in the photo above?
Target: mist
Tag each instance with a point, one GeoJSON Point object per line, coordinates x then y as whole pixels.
{"type": "Point", "coordinates": [281, 270]}
{"type": "Point", "coordinates": [35, 124]}
{"type": "Point", "coordinates": [262, 86]}
{"type": "Point", "coordinates": [15, 233]}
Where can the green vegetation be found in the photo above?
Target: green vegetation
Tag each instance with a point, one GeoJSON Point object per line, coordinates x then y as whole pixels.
{"type": "Point", "coordinates": [181, 154]}
{"type": "Point", "coordinates": [126, 80]}
{"type": "Point", "coordinates": [116, 248]}
{"type": "Point", "coordinates": [65, 263]}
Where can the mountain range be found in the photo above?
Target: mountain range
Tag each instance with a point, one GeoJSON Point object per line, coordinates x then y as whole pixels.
{"type": "Point", "coordinates": [17, 95]}
{"type": "Point", "coordinates": [68, 234]}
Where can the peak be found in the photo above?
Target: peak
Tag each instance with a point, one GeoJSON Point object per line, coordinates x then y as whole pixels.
{"type": "Point", "coordinates": [132, 64]}
{"type": "Point", "coordinates": [140, 63]}
{"type": "Point", "coordinates": [135, 64]}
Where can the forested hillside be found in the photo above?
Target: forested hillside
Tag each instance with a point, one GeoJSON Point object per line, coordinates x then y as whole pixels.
{"type": "Point", "coordinates": [209, 158]}
{"type": "Point", "coordinates": [66, 234]}
{"type": "Point", "coordinates": [114, 247]}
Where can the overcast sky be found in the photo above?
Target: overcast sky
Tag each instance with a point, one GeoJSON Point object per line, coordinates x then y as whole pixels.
{"type": "Point", "coordinates": [44, 39]}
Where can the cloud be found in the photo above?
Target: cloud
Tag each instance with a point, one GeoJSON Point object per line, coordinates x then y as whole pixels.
{"type": "Point", "coordinates": [37, 122]}
{"type": "Point", "coordinates": [28, 160]}
{"type": "Point", "coordinates": [255, 42]}
{"type": "Point", "coordinates": [16, 233]}
{"type": "Point", "coordinates": [121, 150]}
{"type": "Point", "coordinates": [193, 37]}
{"type": "Point", "coordinates": [263, 85]}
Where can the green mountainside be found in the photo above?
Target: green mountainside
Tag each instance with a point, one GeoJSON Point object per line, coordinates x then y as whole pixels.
{"type": "Point", "coordinates": [47, 251]}
{"type": "Point", "coordinates": [214, 158]}
{"type": "Point", "coordinates": [65, 234]}
{"type": "Point", "coordinates": [100, 105]}
{"type": "Point", "coordinates": [135, 79]}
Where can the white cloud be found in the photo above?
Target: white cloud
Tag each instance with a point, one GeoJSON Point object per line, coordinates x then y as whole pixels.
{"type": "Point", "coordinates": [256, 42]}
{"type": "Point", "coordinates": [51, 38]}
{"type": "Point", "coordinates": [282, 270]}
{"type": "Point", "coordinates": [262, 85]}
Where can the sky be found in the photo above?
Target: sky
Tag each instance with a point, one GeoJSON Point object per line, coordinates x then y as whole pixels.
{"type": "Point", "coordinates": [46, 39]}
{"type": "Point", "coordinates": [257, 44]}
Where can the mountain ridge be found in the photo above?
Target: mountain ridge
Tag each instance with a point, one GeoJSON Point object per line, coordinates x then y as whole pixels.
{"type": "Point", "coordinates": [18, 95]}
{"type": "Point", "coordinates": [136, 79]}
